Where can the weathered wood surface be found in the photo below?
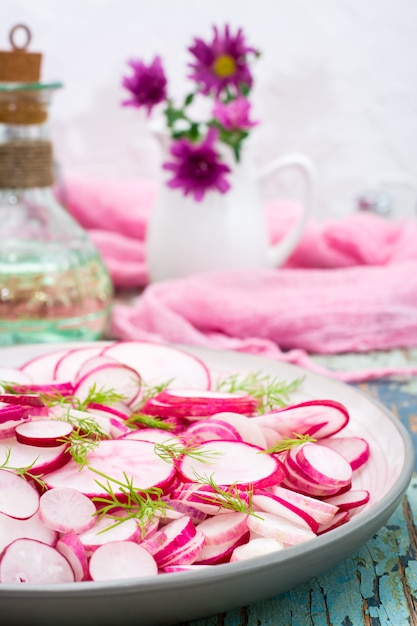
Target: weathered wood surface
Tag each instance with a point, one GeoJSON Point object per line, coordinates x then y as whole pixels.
{"type": "Point", "coordinates": [377, 586]}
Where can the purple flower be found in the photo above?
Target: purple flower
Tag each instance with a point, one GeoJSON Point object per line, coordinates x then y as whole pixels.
{"type": "Point", "coordinates": [147, 84]}
{"type": "Point", "coordinates": [221, 63]}
{"type": "Point", "coordinates": [197, 167]}
{"type": "Point", "coordinates": [234, 115]}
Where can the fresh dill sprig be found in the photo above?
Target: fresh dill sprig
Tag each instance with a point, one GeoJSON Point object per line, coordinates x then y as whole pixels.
{"type": "Point", "coordinates": [149, 421]}
{"type": "Point", "coordinates": [229, 498]}
{"type": "Point", "coordinates": [286, 443]}
{"type": "Point", "coordinates": [24, 472]}
{"type": "Point", "coordinates": [269, 391]}
{"type": "Point", "coordinates": [95, 395]}
{"type": "Point", "coordinates": [171, 451]}
{"type": "Point", "coordinates": [149, 391]}
{"type": "Point", "coordinates": [85, 437]}
{"type": "Point", "coordinates": [143, 505]}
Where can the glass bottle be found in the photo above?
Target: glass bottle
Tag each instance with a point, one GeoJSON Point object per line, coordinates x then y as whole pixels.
{"type": "Point", "coordinates": [53, 283]}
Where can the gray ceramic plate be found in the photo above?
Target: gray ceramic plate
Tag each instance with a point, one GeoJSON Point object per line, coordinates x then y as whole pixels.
{"type": "Point", "coordinates": [173, 598]}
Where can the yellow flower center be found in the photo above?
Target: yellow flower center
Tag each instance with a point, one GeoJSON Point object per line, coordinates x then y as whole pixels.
{"type": "Point", "coordinates": [224, 66]}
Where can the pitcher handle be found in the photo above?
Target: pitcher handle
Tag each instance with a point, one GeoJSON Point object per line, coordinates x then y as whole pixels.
{"type": "Point", "coordinates": [279, 252]}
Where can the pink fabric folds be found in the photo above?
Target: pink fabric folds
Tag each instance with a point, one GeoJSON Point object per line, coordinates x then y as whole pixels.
{"type": "Point", "coordinates": [350, 286]}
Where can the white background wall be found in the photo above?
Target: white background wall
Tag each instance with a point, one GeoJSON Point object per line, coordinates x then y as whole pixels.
{"type": "Point", "coordinates": [337, 81]}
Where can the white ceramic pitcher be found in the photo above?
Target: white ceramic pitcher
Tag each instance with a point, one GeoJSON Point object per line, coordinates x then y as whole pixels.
{"type": "Point", "coordinates": [223, 231]}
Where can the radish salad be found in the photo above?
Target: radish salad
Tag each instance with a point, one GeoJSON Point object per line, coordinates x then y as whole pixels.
{"type": "Point", "coordinates": [132, 459]}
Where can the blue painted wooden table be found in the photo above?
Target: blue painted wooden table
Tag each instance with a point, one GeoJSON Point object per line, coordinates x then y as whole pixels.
{"type": "Point", "coordinates": [377, 586]}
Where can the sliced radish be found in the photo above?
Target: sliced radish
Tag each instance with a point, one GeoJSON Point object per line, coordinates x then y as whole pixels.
{"type": "Point", "coordinates": [217, 553]}
{"type": "Point", "coordinates": [317, 418]}
{"type": "Point", "coordinates": [270, 503]}
{"type": "Point", "coordinates": [125, 380]}
{"type": "Point", "coordinates": [70, 546]}
{"type": "Point", "coordinates": [64, 388]}
{"type": "Point", "coordinates": [354, 449]}
{"type": "Point", "coordinates": [159, 363]}
{"type": "Point", "coordinates": [121, 559]}
{"type": "Point", "coordinates": [206, 499]}
{"type": "Point", "coordinates": [40, 460]}
{"type": "Point", "coordinates": [185, 555]}
{"type": "Point", "coordinates": [41, 368]}
{"type": "Point", "coordinates": [115, 458]}
{"type": "Point", "coordinates": [30, 561]}
{"type": "Point", "coordinates": [198, 402]}
{"type": "Point", "coordinates": [106, 530]}
{"type": "Point", "coordinates": [224, 527]}
{"type": "Point", "coordinates": [339, 519]}
{"type": "Point", "coordinates": [193, 567]}
{"type": "Point", "coordinates": [248, 429]}
{"type": "Point", "coordinates": [27, 399]}
{"type": "Point", "coordinates": [350, 500]}
{"type": "Point", "coordinates": [69, 363]}
{"type": "Point", "coordinates": [12, 413]}
{"type": "Point", "coordinates": [321, 511]}
{"type": "Point", "coordinates": [232, 462]}
{"type": "Point", "coordinates": [66, 510]}
{"type": "Point", "coordinates": [14, 375]}
{"type": "Point", "coordinates": [174, 536]}
{"type": "Point", "coordinates": [324, 465]}
{"type": "Point", "coordinates": [90, 364]}
{"type": "Point", "coordinates": [256, 547]}
{"type": "Point", "coordinates": [31, 528]}
{"type": "Point", "coordinates": [270, 525]}
{"type": "Point", "coordinates": [18, 498]}
{"type": "Point", "coordinates": [45, 433]}
{"type": "Point", "coordinates": [208, 429]}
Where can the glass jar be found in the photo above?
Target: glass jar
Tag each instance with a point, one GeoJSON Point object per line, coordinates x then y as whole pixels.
{"type": "Point", "coordinates": [53, 283]}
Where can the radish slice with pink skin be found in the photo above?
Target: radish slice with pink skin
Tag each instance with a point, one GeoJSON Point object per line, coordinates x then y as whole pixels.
{"type": "Point", "coordinates": [66, 510]}
{"type": "Point", "coordinates": [12, 375]}
{"type": "Point", "coordinates": [105, 531]}
{"type": "Point", "coordinates": [297, 480]}
{"type": "Point", "coordinates": [174, 536]}
{"type": "Point", "coordinates": [40, 460]}
{"type": "Point", "coordinates": [109, 410]}
{"type": "Point", "coordinates": [12, 413]}
{"type": "Point", "coordinates": [30, 561]}
{"type": "Point", "coordinates": [121, 559]}
{"type": "Point", "coordinates": [339, 519]}
{"type": "Point", "coordinates": [41, 368]}
{"type": "Point", "coordinates": [26, 399]}
{"type": "Point", "coordinates": [324, 465]}
{"type": "Point", "coordinates": [321, 511]}
{"type": "Point", "coordinates": [31, 528]}
{"type": "Point", "coordinates": [224, 527]}
{"type": "Point", "coordinates": [354, 449]}
{"type": "Point", "coordinates": [65, 388]}
{"type": "Point", "coordinates": [161, 363]}
{"type": "Point", "coordinates": [269, 525]}
{"type": "Point", "coordinates": [206, 430]}
{"type": "Point", "coordinates": [70, 546]}
{"type": "Point", "coordinates": [233, 462]}
{"type": "Point", "coordinates": [68, 413]}
{"type": "Point", "coordinates": [183, 568]}
{"type": "Point", "coordinates": [317, 418]}
{"type": "Point", "coordinates": [68, 365]}
{"type": "Point", "coordinates": [185, 555]}
{"type": "Point", "coordinates": [205, 498]}
{"type": "Point", "coordinates": [115, 458]}
{"type": "Point", "coordinates": [178, 508]}
{"type": "Point", "coordinates": [350, 500]}
{"type": "Point", "coordinates": [256, 547]}
{"type": "Point", "coordinates": [249, 431]}
{"type": "Point", "coordinates": [197, 403]}
{"type": "Point", "coordinates": [91, 364]}
{"type": "Point", "coordinates": [45, 433]}
{"type": "Point", "coordinates": [125, 380]}
{"type": "Point", "coordinates": [18, 498]}
{"type": "Point", "coordinates": [215, 554]}
{"type": "Point", "coordinates": [270, 503]}
{"type": "Point", "coordinates": [155, 435]}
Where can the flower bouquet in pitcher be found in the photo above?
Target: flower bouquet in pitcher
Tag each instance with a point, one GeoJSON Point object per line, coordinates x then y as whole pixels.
{"type": "Point", "coordinates": [208, 214]}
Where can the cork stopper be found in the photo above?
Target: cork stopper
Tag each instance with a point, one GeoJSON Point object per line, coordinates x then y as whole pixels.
{"type": "Point", "coordinates": [18, 65]}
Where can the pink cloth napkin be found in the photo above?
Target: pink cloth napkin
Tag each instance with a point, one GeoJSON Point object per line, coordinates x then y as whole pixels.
{"type": "Point", "coordinates": [351, 284]}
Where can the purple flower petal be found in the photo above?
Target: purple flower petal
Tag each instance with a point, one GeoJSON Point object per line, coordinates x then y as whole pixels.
{"type": "Point", "coordinates": [147, 84]}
